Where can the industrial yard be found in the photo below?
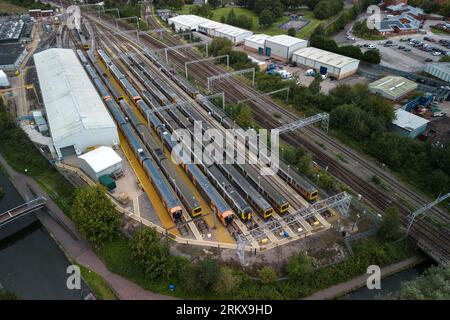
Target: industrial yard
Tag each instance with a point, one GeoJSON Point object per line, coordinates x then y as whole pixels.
{"type": "Point", "coordinates": [106, 104]}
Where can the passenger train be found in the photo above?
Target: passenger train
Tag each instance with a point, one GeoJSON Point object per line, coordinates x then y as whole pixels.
{"type": "Point", "coordinates": [217, 203]}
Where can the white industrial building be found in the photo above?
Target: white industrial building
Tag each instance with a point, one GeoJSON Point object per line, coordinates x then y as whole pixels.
{"type": "Point", "coordinates": [256, 43]}
{"type": "Point", "coordinates": [76, 115]}
{"type": "Point", "coordinates": [439, 70]}
{"type": "Point", "coordinates": [236, 35]}
{"type": "Point", "coordinates": [209, 27]}
{"type": "Point", "coordinates": [186, 22]}
{"type": "Point", "coordinates": [326, 62]}
{"type": "Point", "coordinates": [4, 82]}
{"type": "Point", "coordinates": [103, 161]}
{"type": "Point", "coordinates": [408, 124]}
{"type": "Point", "coordinates": [282, 47]}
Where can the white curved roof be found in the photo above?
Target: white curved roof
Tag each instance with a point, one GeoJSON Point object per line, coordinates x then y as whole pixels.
{"type": "Point", "coordinates": [101, 158]}
{"type": "Point", "coordinates": [71, 100]}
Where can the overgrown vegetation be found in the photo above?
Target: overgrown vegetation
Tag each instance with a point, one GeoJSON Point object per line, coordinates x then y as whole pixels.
{"type": "Point", "coordinates": [390, 227]}
{"type": "Point", "coordinates": [95, 215]}
{"type": "Point", "coordinates": [431, 6]}
{"type": "Point", "coordinates": [361, 30]}
{"type": "Point", "coordinates": [21, 154]}
{"type": "Point", "coordinates": [5, 295]}
{"type": "Point", "coordinates": [206, 279]}
{"type": "Point", "coordinates": [434, 284]}
{"type": "Point", "coordinates": [30, 4]}
{"type": "Point", "coordinates": [2, 192]}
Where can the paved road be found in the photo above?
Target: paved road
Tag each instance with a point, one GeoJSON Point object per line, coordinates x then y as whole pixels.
{"type": "Point", "coordinates": [73, 243]}
{"type": "Point", "coordinates": [358, 282]}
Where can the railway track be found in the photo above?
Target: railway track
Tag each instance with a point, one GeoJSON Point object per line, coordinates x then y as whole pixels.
{"type": "Point", "coordinates": [427, 235]}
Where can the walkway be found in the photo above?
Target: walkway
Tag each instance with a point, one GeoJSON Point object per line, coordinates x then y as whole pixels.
{"type": "Point", "coordinates": [73, 243]}
{"type": "Point", "coordinates": [360, 281]}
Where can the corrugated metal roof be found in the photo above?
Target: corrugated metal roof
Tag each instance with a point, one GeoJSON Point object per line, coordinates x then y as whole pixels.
{"type": "Point", "coordinates": [188, 20]}
{"type": "Point", "coordinates": [101, 158]}
{"type": "Point", "coordinates": [232, 31]}
{"type": "Point", "coordinates": [408, 121]}
{"type": "Point", "coordinates": [442, 66]}
{"type": "Point", "coordinates": [393, 86]}
{"type": "Point", "coordinates": [326, 57]}
{"type": "Point", "coordinates": [71, 101]}
{"type": "Point", "coordinates": [258, 38]}
{"type": "Point", "coordinates": [285, 40]}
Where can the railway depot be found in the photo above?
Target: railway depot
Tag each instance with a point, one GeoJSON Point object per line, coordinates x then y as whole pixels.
{"type": "Point", "coordinates": [113, 106]}
{"type": "Point", "coordinates": [76, 115]}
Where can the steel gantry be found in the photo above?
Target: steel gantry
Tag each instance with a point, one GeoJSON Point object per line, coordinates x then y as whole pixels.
{"type": "Point", "coordinates": [229, 75]}
{"type": "Point", "coordinates": [206, 59]}
{"type": "Point", "coordinates": [411, 218]}
{"type": "Point", "coordinates": [287, 89]}
{"type": "Point", "coordinates": [102, 9]}
{"type": "Point", "coordinates": [131, 31]}
{"type": "Point", "coordinates": [341, 202]}
{"type": "Point", "coordinates": [181, 46]}
{"type": "Point", "coordinates": [323, 117]}
{"type": "Point", "coordinates": [188, 103]}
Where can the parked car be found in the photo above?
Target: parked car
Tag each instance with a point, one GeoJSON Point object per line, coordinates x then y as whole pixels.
{"type": "Point", "coordinates": [401, 47]}
{"type": "Point", "coordinates": [428, 60]}
{"type": "Point", "coordinates": [350, 38]}
{"type": "Point", "coordinates": [407, 49]}
{"type": "Point", "coordinates": [310, 73]}
{"type": "Point", "coordinates": [371, 46]}
{"type": "Point", "coordinates": [436, 53]}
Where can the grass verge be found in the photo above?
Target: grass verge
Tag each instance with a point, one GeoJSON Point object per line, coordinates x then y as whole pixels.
{"type": "Point", "coordinates": [97, 284]}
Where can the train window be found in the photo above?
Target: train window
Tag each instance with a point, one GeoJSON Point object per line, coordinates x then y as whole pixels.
{"type": "Point", "coordinates": [197, 210]}
{"type": "Point", "coordinates": [314, 195]}
{"type": "Point", "coordinates": [284, 207]}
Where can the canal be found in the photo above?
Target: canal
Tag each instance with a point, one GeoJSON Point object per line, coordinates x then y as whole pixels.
{"type": "Point", "coordinates": [32, 266]}
{"type": "Point", "coordinates": [389, 284]}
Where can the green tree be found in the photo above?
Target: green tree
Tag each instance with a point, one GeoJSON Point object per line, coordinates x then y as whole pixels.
{"type": "Point", "coordinates": [372, 56]}
{"type": "Point", "coordinates": [390, 225]}
{"type": "Point", "coordinates": [314, 86]}
{"type": "Point", "coordinates": [434, 284]}
{"type": "Point", "coordinates": [2, 192]}
{"type": "Point", "coordinates": [148, 253]}
{"type": "Point", "coordinates": [207, 273]}
{"type": "Point", "coordinates": [267, 275]}
{"type": "Point", "coordinates": [299, 267]}
{"type": "Point", "coordinates": [266, 19]}
{"type": "Point", "coordinates": [292, 32]}
{"type": "Point", "coordinates": [95, 215]}
{"type": "Point", "coordinates": [226, 281]}
{"type": "Point", "coordinates": [5, 295]}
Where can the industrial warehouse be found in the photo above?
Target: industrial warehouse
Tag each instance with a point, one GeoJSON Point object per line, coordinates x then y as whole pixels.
{"type": "Point", "coordinates": [124, 160]}
{"type": "Point", "coordinates": [76, 115]}
{"type": "Point", "coordinates": [335, 65]}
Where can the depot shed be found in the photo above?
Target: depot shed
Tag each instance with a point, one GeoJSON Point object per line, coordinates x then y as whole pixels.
{"type": "Point", "coordinates": [77, 116]}
{"type": "Point", "coordinates": [439, 70]}
{"type": "Point", "coordinates": [326, 62]}
{"type": "Point", "coordinates": [255, 43]}
{"type": "Point", "coordinates": [408, 124]}
{"type": "Point", "coordinates": [103, 161]}
{"type": "Point", "coordinates": [282, 47]}
{"type": "Point", "coordinates": [392, 87]}
{"type": "Point", "coordinates": [186, 22]}
{"type": "Point", "coordinates": [236, 35]}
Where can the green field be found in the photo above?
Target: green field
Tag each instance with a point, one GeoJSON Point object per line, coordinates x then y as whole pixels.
{"type": "Point", "coordinates": [6, 7]}
{"type": "Point", "coordinates": [304, 33]}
